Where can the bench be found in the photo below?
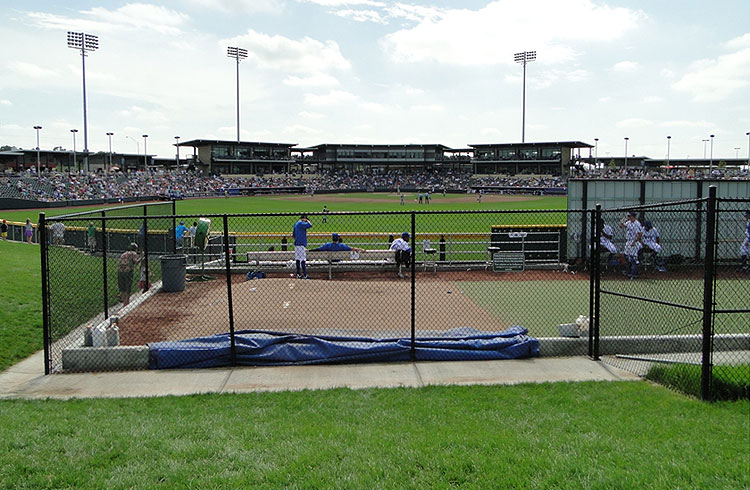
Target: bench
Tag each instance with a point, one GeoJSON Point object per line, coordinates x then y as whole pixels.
{"type": "Point", "coordinates": [327, 258]}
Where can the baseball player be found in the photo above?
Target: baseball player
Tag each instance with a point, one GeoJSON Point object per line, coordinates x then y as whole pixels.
{"type": "Point", "coordinates": [606, 233]}
{"type": "Point", "coordinates": [403, 251]}
{"type": "Point", "coordinates": [336, 245]}
{"type": "Point", "coordinates": [652, 242]}
{"type": "Point", "coordinates": [745, 247]}
{"type": "Point", "coordinates": [633, 236]}
{"type": "Point", "coordinates": [300, 245]}
{"type": "Point", "coordinates": [325, 214]}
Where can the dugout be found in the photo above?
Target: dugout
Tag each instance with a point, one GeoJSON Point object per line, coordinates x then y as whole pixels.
{"type": "Point", "coordinates": [540, 244]}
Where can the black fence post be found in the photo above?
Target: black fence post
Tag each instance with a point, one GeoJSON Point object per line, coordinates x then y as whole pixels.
{"type": "Point", "coordinates": [584, 215]}
{"type": "Point", "coordinates": [597, 282]}
{"type": "Point", "coordinates": [42, 227]}
{"type": "Point", "coordinates": [174, 227]}
{"type": "Point", "coordinates": [413, 352]}
{"type": "Point", "coordinates": [227, 265]}
{"type": "Point", "coordinates": [708, 294]}
{"type": "Point", "coordinates": [104, 265]}
{"type": "Point", "coordinates": [145, 246]}
{"type": "Point", "coordinates": [592, 278]}
{"type": "Point", "coordinates": [699, 219]}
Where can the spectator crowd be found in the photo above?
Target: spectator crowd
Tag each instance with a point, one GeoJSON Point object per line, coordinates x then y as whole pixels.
{"type": "Point", "coordinates": [79, 186]}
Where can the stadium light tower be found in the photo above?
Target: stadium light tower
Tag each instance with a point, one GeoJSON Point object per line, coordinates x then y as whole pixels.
{"type": "Point", "coordinates": [109, 135]}
{"type": "Point", "coordinates": [238, 54]}
{"type": "Point", "coordinates": [523, 58]}
{"type": "Point", "coordinates": [736, 152]}
{"type": "Point", "coordinates": [711, 160]}
{"type": "Point", "coordinates": [84, 42]}
{"type": "Point", "coordinates": [704, 148]}
{"type": "Point", "coordinates": [669, 140]}
{"type": "Point", "coordinates": [75, 163]}
{"type": "Point", "coordinates": [177, 155]}
{"type": "Point", "coordinates": [145, 154]}
{"type": "Point", "coordinates": [748, 149]}
{"type": "Point", "coordinates": [38, 164]}
{"type": "Point", "coordinates": [626, 154]}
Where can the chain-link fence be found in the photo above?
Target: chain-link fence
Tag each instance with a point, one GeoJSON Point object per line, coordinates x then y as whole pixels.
{"type": "Point", "coordinates": [192, 291]}
{"type": "Point", "coordinates": [474, 285]}
{"type": "Point", "coordinates": [672, 298]}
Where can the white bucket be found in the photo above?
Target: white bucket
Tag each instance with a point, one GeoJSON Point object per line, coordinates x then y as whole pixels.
{"type": "Point", "coordinates": [568, 330]}
{"type": "Point", "coordinates": [99, 336]}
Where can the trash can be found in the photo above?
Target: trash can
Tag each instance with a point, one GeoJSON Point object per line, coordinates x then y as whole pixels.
{"type": "Point", "coordinates": [173, 273]}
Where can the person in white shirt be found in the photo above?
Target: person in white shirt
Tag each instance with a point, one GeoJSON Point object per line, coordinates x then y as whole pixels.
{"type": "Point", "coordinates": [403, 251]}
{"type": "Point", "coordinates": [633, 245]}
{"type": "Point", "coordinates": [652, 244]}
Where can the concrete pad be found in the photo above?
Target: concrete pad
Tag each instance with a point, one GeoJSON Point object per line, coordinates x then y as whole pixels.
{"type": "Point", "coordinates": [127, 384]}
{"type": "Point", "coordinates": [534, 370]}
{"type": "Point", "coordinates": [119, 358]}
{"type": "Point", "coordinates": [320, 377]}
{"type": "Point", "coordinates": [22, 373]}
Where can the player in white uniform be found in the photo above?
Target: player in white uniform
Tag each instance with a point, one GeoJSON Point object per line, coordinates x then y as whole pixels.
{"type": "Point", "coordinates": [605, 239]}
{"type": "Point", "coordinates": [403, 251]}
{"type": "Point", "coordinates": [745, 247]}
{"type": "Point", "coordinates": [652, 244]}
{"type": "Point", "coordinates": [633, 236]}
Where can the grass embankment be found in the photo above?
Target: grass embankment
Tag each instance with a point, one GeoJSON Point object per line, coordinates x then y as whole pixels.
{"type": "Point", "coordinates": [587, 435]}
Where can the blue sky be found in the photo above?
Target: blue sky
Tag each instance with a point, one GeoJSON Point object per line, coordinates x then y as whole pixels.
{"type": "Point", "coordinates": [377, 71]}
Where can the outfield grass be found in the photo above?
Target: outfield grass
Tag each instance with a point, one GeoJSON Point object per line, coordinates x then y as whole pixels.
{"type": "Point", "coordinates": [729, 382]}
{"type": "Point", "coordinates": [21, 300]}
{"type": "Point", "coordinates": [585, 435]}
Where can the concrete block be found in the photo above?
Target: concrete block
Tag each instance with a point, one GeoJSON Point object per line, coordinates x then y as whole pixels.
{"type": "Point", "coordinates": [120, 358]}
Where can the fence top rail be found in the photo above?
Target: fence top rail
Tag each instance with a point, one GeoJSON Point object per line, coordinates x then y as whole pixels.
{"type": "Point", "coordinates": [97, 212]}
{"type": "Point", "coordinates": [733, 199]}
{"type": "Point", "coordinates": [658, 205]}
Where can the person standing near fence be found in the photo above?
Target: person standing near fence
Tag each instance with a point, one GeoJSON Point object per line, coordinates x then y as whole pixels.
{"type": "Point", "coordinates": [633, 236]}
{"type": "Point", "coordinates": [745, 247]}
{"type": "Point", "coordinates": [300, 245]}
{"type": "Point", "coordinates": [403, 251]}
{"type": "Point", "coordinates": [91, 233]}
{"type": "Point", "coordinates": [125, 266]}
{"type": "Point", "coordinates": [28, 230]}
{"type": "Point", "coordinates": [179, 232]}
{"type": "Point", "coordinates": [4, 230]}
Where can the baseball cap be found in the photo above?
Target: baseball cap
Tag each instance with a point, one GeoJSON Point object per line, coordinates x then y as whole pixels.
{"type": "Point", "coordinates": [335, 237]}
{"type": "Point", "coordinates": [304, 216]}
{"type": "Point", "coordinates": [631, 213]}
{"type": "Point", "coordinates": [647, 224]}
{"type": "Point", "coordinates": [405, 235]}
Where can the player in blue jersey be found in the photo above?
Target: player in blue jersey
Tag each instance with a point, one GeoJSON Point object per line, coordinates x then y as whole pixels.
{"type": "Point", "coordinates": [336, 246]}
{"type": "Point", "coordinates": [300, 245]}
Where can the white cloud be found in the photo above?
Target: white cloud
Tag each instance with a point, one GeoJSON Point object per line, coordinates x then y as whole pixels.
{"type": "Point", "coordinates": [427, 108]}
{"type": "Point", "coordinates": [344, 3]}
{"type": "Point", "coordinates": [315, 80]}
{"type": "Point", "coordinates": [311, 115]}
{"type": "Point", "coordinates": [143, 114]}
{"type": "Point", "coordinates": [711, 80]}
{"type": "Point", "coordinates": [626, 66]}
{"type": "Point", "coordinates": [634, 123]}
{"type": "Point", "coordinates": [30, 70]}
{"type": "Point", "coordinates": [652, 99]}
{"type": "Point", "coordinates": [605, 99]}
{"type": "Point", "coordinates": [492, 34]}
{"type": "Point", "coordinates": [132, 16]}
{"type": "Point", "coordinates": [333, 97]}
{"type": "Point", "coordinates": [361, 15]}
{"type": "Point", "coordinates": [5, 102]}
{"type": "Point", "coordinates": [306, 55]}
{"type": "Point", "coordinates": [739, 42]}
{"type": "Point", "coordinates": [687, 124]}
{"type": "Point", "coordinates": [299, 128]}
{"type": "Point", "coordinates": [247, 6]}
{"type": "Point", "coordinates": [666, 73]}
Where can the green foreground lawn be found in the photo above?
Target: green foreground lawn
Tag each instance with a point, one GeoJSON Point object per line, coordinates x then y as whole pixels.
{"type": "Point", "coordinates": [586, 435]}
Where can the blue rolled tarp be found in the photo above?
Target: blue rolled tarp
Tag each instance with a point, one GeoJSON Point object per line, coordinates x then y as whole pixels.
{"type": "Point", "coordinates": [261, 348]}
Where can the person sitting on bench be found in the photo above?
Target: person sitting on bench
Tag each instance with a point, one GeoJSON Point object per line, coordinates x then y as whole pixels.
{"type": "Point", "coordinates": [403, 252]}
{"type": "Point", "coordinates": [652, 245]}
{"type": "Point", "coordinates": [335, 245]}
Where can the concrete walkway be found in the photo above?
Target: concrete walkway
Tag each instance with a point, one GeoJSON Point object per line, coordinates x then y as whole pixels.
{"type": "Point", "coordinates": [25, 380]}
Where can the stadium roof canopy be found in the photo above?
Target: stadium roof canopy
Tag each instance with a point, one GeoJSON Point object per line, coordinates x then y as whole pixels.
{"type": "Point", "coordinates": [201, 142]}
{"type": "Point", "coordinates": [564, 144]}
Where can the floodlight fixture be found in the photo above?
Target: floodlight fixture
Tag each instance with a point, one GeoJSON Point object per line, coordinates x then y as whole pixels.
{"type": "Point", "coordinates": [626, 154]}
{"type": "Point", "coordinates": [711, 158]}
{"type": "Point", "coordinates": [523, 58]}
{"type": "Point", "coordinates": [669, 140]}
{"type": "Point", "coordinates": [84, 42]}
